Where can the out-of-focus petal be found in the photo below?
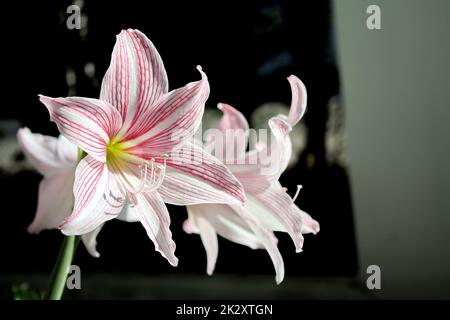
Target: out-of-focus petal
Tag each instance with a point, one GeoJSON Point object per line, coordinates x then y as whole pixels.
{"type": "Point", "coordinates": [234, 129]}
{"type": "Point", "coordinates": [225, 221]}
{"type": "Point", "coordinates": [152, 212]}
{"type": "Point", "coordinates": [268, 239]}
{"type": "Point", "coordinates": [55, 201]}
{"type": "Point", "coordinates": [98, 198]}
{"type": "Point", "coordinates": [299, 98]}
{"type": "Point", "coordinates": [267, 163]}
{"type": "Point", "coordinates": [276, 210]}
{"type": "Point", "coordinates": [43, 152]}
{"type": "Point", "coordinates": [136, 78]}
{"type": "Point", "coordinates": [309, 225]}
{"type": "Point", "coordinates": [88, 123]}
{"type": "Point", "coordinates": [66, 150]}
{"type": "Point", "coordinates": [208, 236]}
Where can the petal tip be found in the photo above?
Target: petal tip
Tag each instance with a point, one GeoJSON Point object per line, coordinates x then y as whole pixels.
{"type": "Point", "coordinates": [174, 262]}
{"type": "Point", "coordinates": [31, 229]}
{"type": "Point", "coordinates": [203, 74]}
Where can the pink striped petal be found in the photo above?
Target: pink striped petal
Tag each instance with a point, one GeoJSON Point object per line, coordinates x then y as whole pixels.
{"type": "Point", "coordinates": [55, 201]}
{"type": "Point", "coordinates": [194, 176]}
{"type": "Point", "coordinates": [276, 210]}
{"type": "Point", "coordinates": [263, 166]}
{"type": "Point", "coordinates": [175, 118]}
{"type": "Point", "coordinates": [252, 179]}
{"type": "Point", "coordinates": [268, 239]}
{"type": "Point", "coordinates": [49, 155]}
{"type": "Point", "coordinates": [270, 243]}
{"type": "Point", "coordinates": [98, 198]}
{"type": "Point", "coordinates": [90, 241]}
{"type": "Point", "coordinates": [152, 212]}
{"type": "Point", "coordinates": [136, 78]}
{"type": "Point", "coordinates": [281, 147]}
{"type": "Point", "coordinates": [88, 123]}
{"type": "Point", "coordinates": [298, 103]}
{"type": "Point", "coordinates": [234, 128]}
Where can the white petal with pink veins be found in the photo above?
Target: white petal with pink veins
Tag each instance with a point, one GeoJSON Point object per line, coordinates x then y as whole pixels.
{"type": "Point", "coordinates": [88, 123]}
{"type": "Point", "coordinates": [194, 176]}
{"type": "Point", "coordinates": [153, 214]}
{"type": "Point", "coordinates": [136, 78]}
{"type": "Point", "coordinates": [98, 198]}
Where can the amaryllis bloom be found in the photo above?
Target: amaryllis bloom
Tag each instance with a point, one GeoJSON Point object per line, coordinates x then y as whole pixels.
{"type": "Point", "coordinates": [128, 136]}
{"type": "Point", "coordinates": [268, 207]}
{"type": "Point", "coordinates": [56, 160]}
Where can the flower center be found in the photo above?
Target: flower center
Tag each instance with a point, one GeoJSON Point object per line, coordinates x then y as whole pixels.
{"type": "Point", "coordinates": [115, 153]}
{"type": "Point", "coordinates": [136, 174]}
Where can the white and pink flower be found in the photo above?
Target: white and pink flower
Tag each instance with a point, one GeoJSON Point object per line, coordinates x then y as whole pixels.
{"type": "Point", "coordinates": [268, 207]}
{"type": "Point", "coordinates": [127, 137]}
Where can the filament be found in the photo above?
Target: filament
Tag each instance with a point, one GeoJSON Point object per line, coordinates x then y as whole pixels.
{"type": "Point", "coordinates": [299, 187]}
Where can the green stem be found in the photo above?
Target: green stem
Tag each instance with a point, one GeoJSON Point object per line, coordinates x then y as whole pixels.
{"type": "Point", "coordinates": [61, 269]}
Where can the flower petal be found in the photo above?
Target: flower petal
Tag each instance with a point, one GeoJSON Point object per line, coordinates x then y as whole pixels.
{"type": "Point", "coordinates": [90, 241]}
{"type": "Point", "coordinates": [128, 214]}
{"type": "Point", "coordinates": [194, 176]}
{"type": "Point", "coordinates": [236, 224]}
{"type": "Point", "coordinates": [152, 212]}
{"type": "Point", "coordinates": [49, 155]}
{"type": "Point", "coordinates": [309, 225]}
{"type": "Point", "coordinates": [265, 164]}
{"type": "Point", "coordinates": [88, 123]}
{"type": "Point", "coordinates": [276, 210]}
{"type": "Point", "coordinates": [234, 128]}
{"type": "Point", "coordinates": [225, 221]}
{"type": "Point", "coordinates": [268, 240]}
{"type": "Point", "coordinates": [175, 118]}
{"type": "Point", "coordinates": [55, 201]}
{"type": "Point", "coordinates": [281, 147]}
{"type": "Point", "coordinates": [209, 239]}
{"type": "Point", "coordinates": [251, 179]}
{"type": "Point", "coordinates": [98, 198]}
{"type": "Point", "coordinates": [298, 103]}
{"type": "Point", "coordinates": [136, 77]}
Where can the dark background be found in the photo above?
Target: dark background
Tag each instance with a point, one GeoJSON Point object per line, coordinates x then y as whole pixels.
{"type": "Point", "coordinates": [231, 40]}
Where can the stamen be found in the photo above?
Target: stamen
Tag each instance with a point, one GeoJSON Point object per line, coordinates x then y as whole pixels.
{"type": "Point", "coordinates": [299, 187]}
{"type": "Point", "coordinates": [152, 180]}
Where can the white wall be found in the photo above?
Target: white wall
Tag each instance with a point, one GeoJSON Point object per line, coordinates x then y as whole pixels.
{"type": "Point", "coordinates": [396, 90]}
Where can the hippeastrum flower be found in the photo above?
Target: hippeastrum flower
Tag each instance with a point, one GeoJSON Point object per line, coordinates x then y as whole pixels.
{"type": "Point", "coordinates": [268, 207]}
{"type": "Point", "coordinates": [56, 160]}
{"type": "Point", "coordinates": [128, 136]}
